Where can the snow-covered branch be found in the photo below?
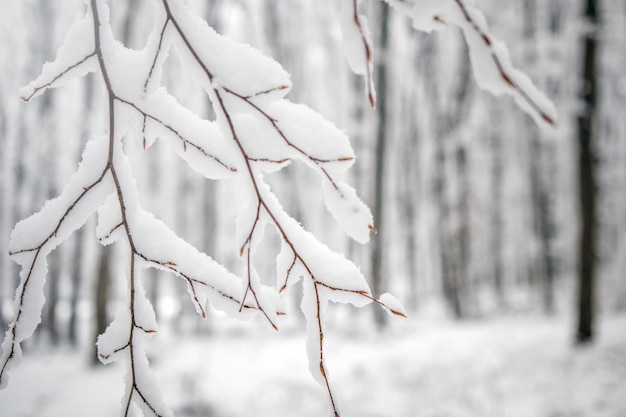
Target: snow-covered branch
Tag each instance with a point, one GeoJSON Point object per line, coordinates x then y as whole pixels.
{"type": "Point", "coordinates": [490, 59]}
{"type": "Point", "coordinates": [357, 45]}
{"type": "Point", "coordinates": [257, 131]}
{"type": "Point", "coordinates": [268, 132]}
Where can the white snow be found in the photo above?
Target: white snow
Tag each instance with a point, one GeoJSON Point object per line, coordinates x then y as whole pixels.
{"type": "Point", "coordinates": [352, 214]}
{"type": "Point", "coordinates": [354, 48]}
{"type": "Point", "coordinates": [198, 142]}
{"type": "Point", "coordinates": [357, 42]}
{"type": "Point", "coordinates": [72, 60]}
{"type": "Point", "coordinates": [233, 64]}
{"type": "Point", "coordinates": [514, 367]}
{"type": "Point", "coordinates": [393, 305]}
{"type": "Point", "coordinates": [312, 134]}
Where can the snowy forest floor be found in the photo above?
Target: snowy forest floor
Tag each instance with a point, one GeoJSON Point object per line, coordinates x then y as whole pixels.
{"type": "Point", "coordinates": [509, 367]}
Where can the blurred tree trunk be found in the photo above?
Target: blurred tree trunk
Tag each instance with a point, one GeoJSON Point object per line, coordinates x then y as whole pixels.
{"type": "Point", "coordinates": [586, 176]}
{"type": "Point", "coordinates": [440, 186]}
{"type": "Point", "coordinates": [75, 280]}
{"type": "Point", "coordinates": [79, 253]}
{"type": "Point", "coordinates": [409, 221]}
{"type": "Point", "coordinates": [284, 39]}
{"type": "Point", "coordinates": [3, 216]}
{"type": "Point", "coordinates": [47, 112]}
{"type": "Point", "coordinates": [497, 223]}
{"type": "Point", "coordinates": [51, 318]}
{"type": "Point", "coordinates": [451, 159]}
{"type": "Point", "coordinates": [209, 208]}
{"type": "Point", "coordinates": [103, 280]}
{"type": "Point", "coordinates": [378, 243]}
{"type": "Point", "coordinates": [408, 174]}
{"type": "Point", "coordinates": [543, 268]}
{"type": "Point", "coordinates": [462, 233]}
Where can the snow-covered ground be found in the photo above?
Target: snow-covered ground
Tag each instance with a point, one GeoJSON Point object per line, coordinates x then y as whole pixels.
{"type": "Point", "coordinates": [499, 367]}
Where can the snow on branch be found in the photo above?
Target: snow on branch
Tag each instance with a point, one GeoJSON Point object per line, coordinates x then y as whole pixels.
{"type": "Point", "coordinates": [357, 45]}
{"type": "Point", "coordinates": [76, 57]}
{"type": "Point", "coordinates": [490, 58]}
{"type": "Point", "coordinates": [257, 131]}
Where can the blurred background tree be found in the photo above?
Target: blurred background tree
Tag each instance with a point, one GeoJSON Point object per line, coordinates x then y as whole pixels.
{"type": "Point", "coordinates": [478, 208]}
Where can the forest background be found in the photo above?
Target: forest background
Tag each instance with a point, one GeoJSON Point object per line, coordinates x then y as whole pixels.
{"type": "Point", "coordinates": [481, 215]}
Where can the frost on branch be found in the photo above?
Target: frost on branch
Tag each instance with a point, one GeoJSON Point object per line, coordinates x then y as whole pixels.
{"type": "Point", "coordinates": [490, 59]}
{"type": "Point", "coordinates": [257, 131]}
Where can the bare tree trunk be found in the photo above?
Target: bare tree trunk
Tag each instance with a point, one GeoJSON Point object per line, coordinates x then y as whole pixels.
{"type": "Point", "coordinates": [47, 108]}
{"type": "Point", "coordinates": [462, 235]}
{"type": "Point", "coordinates": [544, 267]}
{"type": "Point", "coordinates": [77, 261]}
{"type": "Point", "coordinates": [497, 232]}
{"type": "Point", "coordinates": [50, 317]}
{"type": "Point", "coordinates": [103, 280]}
{"type": "Point", "coordinates": [452, 158]}
{"type": "Point", "coordinates": [3, 215]}
{"type": "Point", "coordinates": [75, 278]}
{"type": "Point", "coordinates": [409, 174]}
{"type": "Point", "coordinates": [586, 176]}
{"type": "Point", "coordinates": [546, 232]}
{"type": "Point", "coordinates": [378, 243]}
{"type": "Point", "coordinates": [50, 321]}
{"type": "Point", "coordinates": [408, 178]}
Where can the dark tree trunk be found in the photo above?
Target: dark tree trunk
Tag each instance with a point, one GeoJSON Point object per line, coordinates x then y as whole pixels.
{"type": "Point", "coordinates": [586, 177]}
{"type": "Point", "coordinates": [76, 275]}
{"type": "Point", "coordinates": [51, 322]}
{"type": "Point", "coordinates": [103, 280]}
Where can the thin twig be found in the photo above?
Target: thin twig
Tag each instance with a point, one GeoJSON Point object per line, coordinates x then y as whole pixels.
{"type": "Point", "coordinates": [317, 161]}
{"type": "Point", "coordinates": [58, 77]}
{"type": "Point", "coordinates": [185, 142]}
{"type": "Point", "coordinates": [369, 80]}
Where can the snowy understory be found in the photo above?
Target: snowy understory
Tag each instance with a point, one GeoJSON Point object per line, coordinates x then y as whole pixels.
{"type": "Point", "coordinates": [508, 367]}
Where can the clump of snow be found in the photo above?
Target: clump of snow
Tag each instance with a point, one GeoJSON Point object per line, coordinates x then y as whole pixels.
{"type": "Point", "coordinates": [198, 142]}
{"type": "Point", "coordinates": [309, 134]}
{"type": "Point", "coordinates": [348, 210]}
{"type": "Point", "coordinates": [234, 64]}
{"type": "Point", "coordinates": [357, 42]}
{"type": "Point", "coordinates": [393, 306]}
{"type": "Point", "coordinates": [75, 58]}
{"type": "Point", "coordinates": [354, 47]}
